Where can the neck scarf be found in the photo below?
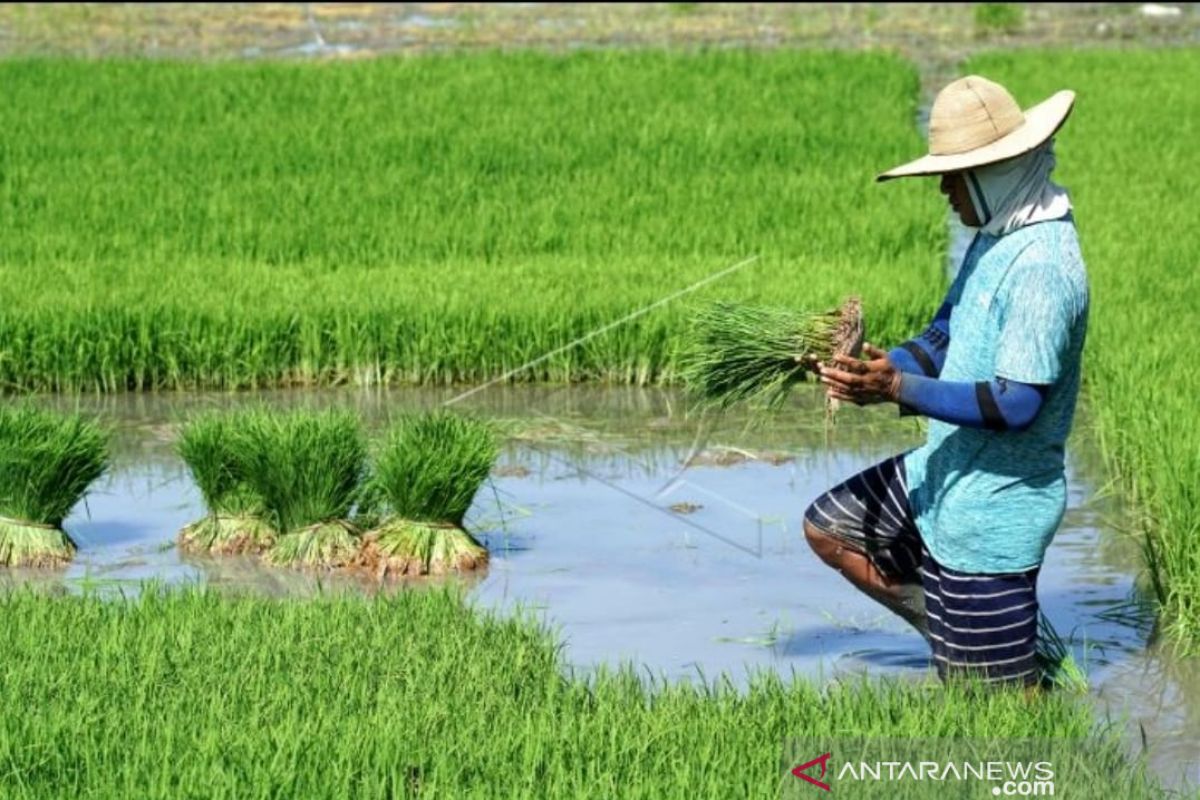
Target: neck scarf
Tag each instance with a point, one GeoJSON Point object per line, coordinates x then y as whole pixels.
{"type": "Point", "coordinates": [1017, 192]}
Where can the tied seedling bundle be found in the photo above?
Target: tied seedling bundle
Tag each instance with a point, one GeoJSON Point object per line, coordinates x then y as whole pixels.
{"type": "Point", "coordinates": [306, 467]}
{"type": "Point", "coordinates": [214, 447]}
{"type": "Point", "coordinates": [47, 463]}
{"type": "Point", "coordinates": [756, 354]}
{"type": "Point", "coordinates": [425, 477]}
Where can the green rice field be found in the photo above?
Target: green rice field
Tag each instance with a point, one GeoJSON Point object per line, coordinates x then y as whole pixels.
{"type": "Point", "coordinates": [444, 219]}
{"type": "Point", "coordinates": [437, 219]}
{"type": "Point", "coordinates": [190, 694]}
{"type": "Point", "coordinates": [448, 218]}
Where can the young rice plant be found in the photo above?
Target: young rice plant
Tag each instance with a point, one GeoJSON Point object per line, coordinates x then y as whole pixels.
{"type": "Point", "coordinates": [749, 353]}
{"type": "Point", "coordinates": [214, 448]}
{"type": "Point", "coordinates": [47, 462]}
{"type": "Point", "coordinates": [307, 468]}
{"type": "Point", "coordinates": [426, 475]}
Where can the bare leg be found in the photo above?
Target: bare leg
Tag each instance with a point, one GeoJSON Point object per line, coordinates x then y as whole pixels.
{"type": "Point", "coordinates": [904, 599]}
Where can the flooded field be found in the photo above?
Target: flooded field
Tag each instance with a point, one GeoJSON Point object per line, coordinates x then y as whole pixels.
{"type": "Point", "coordinates": [642, 533]}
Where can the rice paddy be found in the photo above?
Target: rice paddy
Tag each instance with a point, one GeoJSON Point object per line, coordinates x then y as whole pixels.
{"type": "Point", "coordinates": [419, 695]}
{"type": "Point", "coordinates": [444, 219]}
{"type": "Point", "coordinates": [439, 219]}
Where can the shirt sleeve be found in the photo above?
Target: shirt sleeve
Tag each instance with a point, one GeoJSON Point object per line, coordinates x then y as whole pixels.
{"type": "Point", "coordinates": [1037, 315]}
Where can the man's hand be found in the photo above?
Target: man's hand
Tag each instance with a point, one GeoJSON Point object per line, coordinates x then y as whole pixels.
{"type": "Point", "coordinates": [862, 382]}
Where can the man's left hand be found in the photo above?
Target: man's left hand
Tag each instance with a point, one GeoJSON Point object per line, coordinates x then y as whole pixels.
{"type": "Point", "coordinates": [862, 382]}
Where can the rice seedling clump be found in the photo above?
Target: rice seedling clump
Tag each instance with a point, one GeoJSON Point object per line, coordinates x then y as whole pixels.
{"type": "Point", "coordinates": [214, 447]}
{"type": "Point", "coordinates": [47, 463]}
{"type": "Point", "coordinates": [307, 468]}
{"type": "Point", "coordinates": [426, 475]}
{"type": "Point", "coordinates": [756, 354]}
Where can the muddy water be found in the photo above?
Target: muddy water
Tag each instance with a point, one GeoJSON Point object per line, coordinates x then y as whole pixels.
{"type": "Point", "coordinates": [641, 533]}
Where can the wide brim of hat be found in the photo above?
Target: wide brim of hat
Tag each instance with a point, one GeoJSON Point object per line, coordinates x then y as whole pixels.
{"type": "Point", "coordinates": [1041, 122]}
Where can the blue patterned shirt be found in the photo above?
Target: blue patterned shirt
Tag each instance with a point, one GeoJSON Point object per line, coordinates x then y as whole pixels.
{"type": "Point", "coordinates": [990, 501]}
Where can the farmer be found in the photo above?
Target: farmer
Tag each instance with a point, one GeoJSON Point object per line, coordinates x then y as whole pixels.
{"type": "Point", "coordinates": [951, 535]}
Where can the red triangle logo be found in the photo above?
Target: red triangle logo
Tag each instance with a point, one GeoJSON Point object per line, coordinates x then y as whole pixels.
{"type": "Point", "coordinates": [801, 771]}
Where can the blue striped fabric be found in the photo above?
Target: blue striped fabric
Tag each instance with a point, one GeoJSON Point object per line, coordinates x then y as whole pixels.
{"type": "Point", "coordinates": [869, 512]}
{"type": "Point", "coordinates": [979, 624]}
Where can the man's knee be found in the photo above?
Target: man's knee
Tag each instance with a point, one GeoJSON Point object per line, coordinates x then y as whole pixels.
{"type": "Point", "coordinates": [822, 543]}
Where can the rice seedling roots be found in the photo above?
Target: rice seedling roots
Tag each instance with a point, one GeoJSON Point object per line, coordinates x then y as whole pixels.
{"type": "Point", "coordinates": [32, 544]}
{"type": "Point", "coordinates": [403, 547]}
{"type": "Point", "coordinates": [227, 534]}
{"type": "Point", "coordinates": [325, 545]}
{"type": "Point", "coordinates": [846, 338]}
{"type": "Point", "coordinates": [847, 341]}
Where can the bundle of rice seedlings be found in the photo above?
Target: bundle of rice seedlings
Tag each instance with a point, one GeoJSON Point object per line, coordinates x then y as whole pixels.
{"type": "Point", "coordinates": [214, 447]}
{"type": "Point", "coordinates": [47, 463]}
{"type": "Point", "coordinates": [749, 353]}
{"type": "Point", "coordinates": [426, 475]}
{"type": "Point", "coordinates": [307, 468]}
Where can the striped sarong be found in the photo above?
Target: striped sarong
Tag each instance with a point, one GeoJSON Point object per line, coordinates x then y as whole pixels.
{"type": "Point", "coordinates": [980, 624]}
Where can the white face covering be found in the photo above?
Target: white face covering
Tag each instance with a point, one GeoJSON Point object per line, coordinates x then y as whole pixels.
{"type": "Point", "coordinates": [1017, 192]}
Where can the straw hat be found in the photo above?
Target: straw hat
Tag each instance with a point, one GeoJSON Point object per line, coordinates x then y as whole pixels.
{"type": "Point", "coordinates": [975, 121]}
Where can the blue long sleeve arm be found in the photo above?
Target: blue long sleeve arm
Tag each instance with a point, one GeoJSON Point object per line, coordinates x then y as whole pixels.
{"type": "Point", "coordinates": [999, 404]}
{"type": "Point", "coordinates": [925, 354]}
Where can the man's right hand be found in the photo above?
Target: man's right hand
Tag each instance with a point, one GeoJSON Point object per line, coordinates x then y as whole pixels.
{"type": "Point", "coordinates": [862, 382]}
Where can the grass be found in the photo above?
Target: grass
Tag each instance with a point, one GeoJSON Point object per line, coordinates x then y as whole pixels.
{"type": "Point", "coordinates": [442, 218]}
{"type": "Point", "coordinates": [1057, 661]}
{"type": "Point", "coordinates": [47, 463]}
{"type": "Point", "coordinates": [998, 18]}
{"type": "Point", "coordinates": [308, 468]}
{"type": "Point", "coordinates": [1131, 171]}
{"type": "Point", "coordinates": [234, 521]}
{"type": "Point", "coordinates": [189, 694]}
{"type": "Point", "coordinates": [426, 476]}
{"type": "Point", "coordinates": [745, 353]}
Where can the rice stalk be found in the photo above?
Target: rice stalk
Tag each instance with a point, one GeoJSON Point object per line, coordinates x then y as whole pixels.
{"type": "Point", "coordinates": [213, 452]}
{"type": "Point", "coordinates": [739, 353]}
{"type": "Point", "coordinates": [426, 475]}
{"type": "Point", "coordinates": [1056, 661]}
{"type": "Point", "coordinates": [47, 463]}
